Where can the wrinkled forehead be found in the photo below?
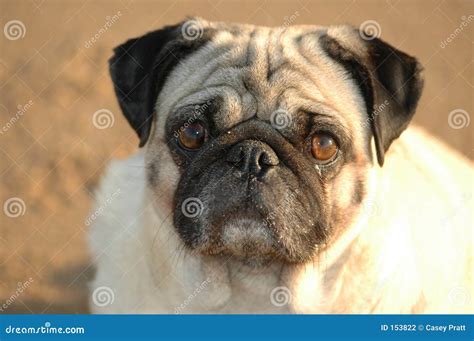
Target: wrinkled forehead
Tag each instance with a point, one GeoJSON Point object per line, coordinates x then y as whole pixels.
{"type": "Point", "coordinates": [255, 71]}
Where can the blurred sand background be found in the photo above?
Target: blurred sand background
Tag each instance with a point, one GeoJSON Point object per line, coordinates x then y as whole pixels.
{"type": "Point", "coordinates": [52, 156]}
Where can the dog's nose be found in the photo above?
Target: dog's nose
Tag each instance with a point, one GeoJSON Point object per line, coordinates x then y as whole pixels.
{"type": "Point", "coordinates": [252, 157]}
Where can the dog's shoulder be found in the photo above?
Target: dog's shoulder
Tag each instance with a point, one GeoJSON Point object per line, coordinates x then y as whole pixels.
{"type": "Point", "coordinates": [425, 160]}
{"type": "Point", "coordinates": [114, 233]}
{"type": "Point", "coordinates": [434, 193]}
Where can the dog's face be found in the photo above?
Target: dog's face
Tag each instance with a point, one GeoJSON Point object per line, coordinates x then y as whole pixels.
{"type": "Point", "coordinates": [260, 139]}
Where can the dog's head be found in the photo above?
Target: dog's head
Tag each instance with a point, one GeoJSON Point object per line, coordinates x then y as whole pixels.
{"type": "Point", "coordinates": [260, 138]}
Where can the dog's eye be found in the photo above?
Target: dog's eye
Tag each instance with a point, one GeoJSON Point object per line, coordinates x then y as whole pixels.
{"type": "Point", "coordinates": [193, 136]}
{"type": "Point", "coordinates": [323, 147]}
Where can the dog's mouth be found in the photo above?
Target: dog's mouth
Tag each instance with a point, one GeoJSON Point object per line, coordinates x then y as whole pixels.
{"type": "Point", "coordinates": [246, 237]}
{"type": "Point", "coordinates": [252, 230]}
{"type": "Point", "coordinates": [255, 226]}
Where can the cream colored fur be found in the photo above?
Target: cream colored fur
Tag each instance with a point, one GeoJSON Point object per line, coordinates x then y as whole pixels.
{"type": "Point", "coordinates": [410, 250]}
{"type": "Point", "coordinates": [413, 255]}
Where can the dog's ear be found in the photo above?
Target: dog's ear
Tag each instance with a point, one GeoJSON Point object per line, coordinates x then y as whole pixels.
{"type": "Point", "coordinates": [390, 81]}
{"type": "Point", "coordinates": [140, 66]}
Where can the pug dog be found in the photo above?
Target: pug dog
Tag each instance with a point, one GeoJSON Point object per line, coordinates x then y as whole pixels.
{"type": "Point", "coordinates": [272, 178]}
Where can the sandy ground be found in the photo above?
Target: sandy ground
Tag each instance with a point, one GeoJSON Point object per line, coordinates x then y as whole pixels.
{"type": "Point", "coordinates": [53, 81]}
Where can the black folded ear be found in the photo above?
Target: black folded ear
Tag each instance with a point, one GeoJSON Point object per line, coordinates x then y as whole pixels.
{"type": "Point", "coordinates": [390, 81]}
{"type": "Point", "coordinates": [139, 69]}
